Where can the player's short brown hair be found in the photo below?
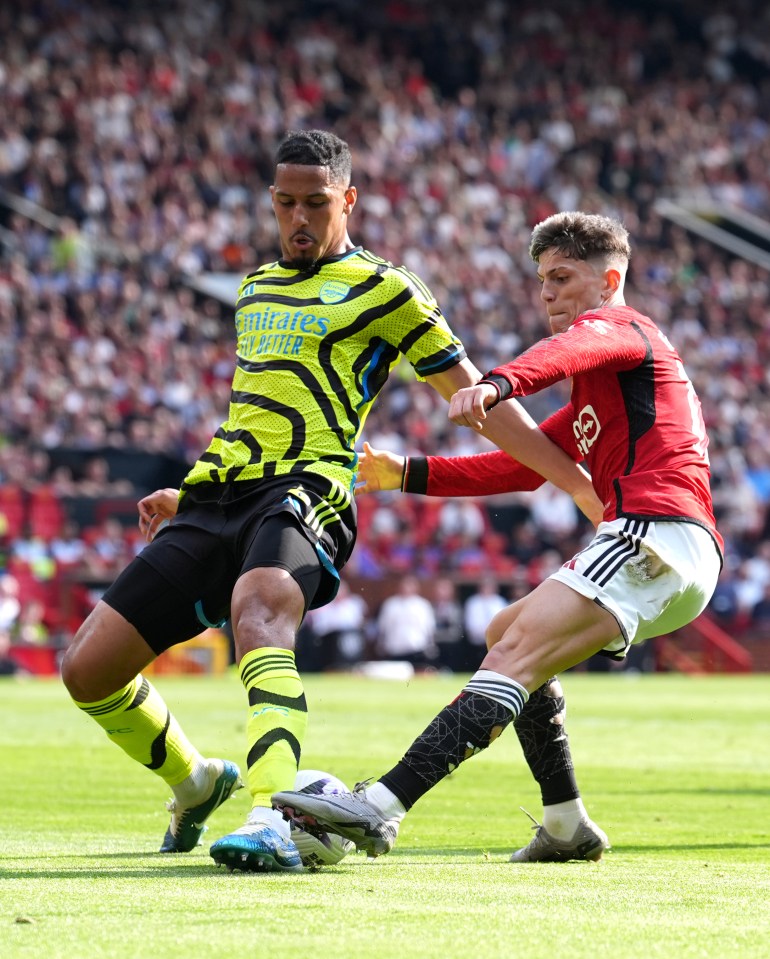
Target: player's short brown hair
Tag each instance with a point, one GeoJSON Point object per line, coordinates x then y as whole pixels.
{"type": "Point", "coordinates": [581, 236]}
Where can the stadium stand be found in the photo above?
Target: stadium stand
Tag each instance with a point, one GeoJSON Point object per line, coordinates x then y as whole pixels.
{"type": "Point", "coordinates": [134, 158]}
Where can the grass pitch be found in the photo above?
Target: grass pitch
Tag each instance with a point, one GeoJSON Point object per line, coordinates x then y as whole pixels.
{"type": "Point", "coordinates": [675, 769]}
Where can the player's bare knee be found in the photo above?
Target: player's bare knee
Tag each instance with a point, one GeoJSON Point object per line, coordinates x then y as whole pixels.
{"type": "Point", "coordinates": [263, 628]}
{"type": "Point", "coordinates": [74, 676]}
{"type": "Point", "coordinates": [503, 655]}
{"type": "Point", "coordinates": [518, 654]}
{"type": "Point", "coordinates": [268, 614]}
{"type": "Point", "coordinates": [104, 655]}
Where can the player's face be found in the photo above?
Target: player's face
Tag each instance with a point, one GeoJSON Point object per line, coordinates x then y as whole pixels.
{"type": "Point", "coordinates": [570, 287]}
{"type": "Point", "coordinates": [312, 213]}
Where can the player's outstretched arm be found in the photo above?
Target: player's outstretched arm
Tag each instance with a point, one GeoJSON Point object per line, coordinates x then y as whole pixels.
{"type": "Point", "coordinates": [156, 508]}
{"type": "Point", "coordinates": [478, 474]}
{"type": "Point", "coordinates": [509, 426]}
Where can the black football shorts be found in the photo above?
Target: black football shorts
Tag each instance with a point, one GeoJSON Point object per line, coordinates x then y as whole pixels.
{"type": "Point", "coordinates": [181, 583]}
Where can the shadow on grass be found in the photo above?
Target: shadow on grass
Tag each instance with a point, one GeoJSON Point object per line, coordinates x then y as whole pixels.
{"type": "Point", "coordinates": [689, 847]}
{"type": "Point", "coordinates": [738, 790]}
{"type": "Point", "coordinates": [490, 852]}
{"type": "Point", "coordinates": [157, 865]}
{"type": "Point", "coordinates": [162, 867]}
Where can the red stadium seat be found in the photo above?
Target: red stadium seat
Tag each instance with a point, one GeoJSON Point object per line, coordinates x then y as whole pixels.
{"type": "Point", "coordinates": [46, 513]}
{"type": "Point", "coordinates": [12, 511]}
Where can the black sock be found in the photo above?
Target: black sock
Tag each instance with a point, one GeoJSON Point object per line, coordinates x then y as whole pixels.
{"type": "Point", "coordinates": [544, 742]}
{"type": "Point", "coordinates": [459, 731]}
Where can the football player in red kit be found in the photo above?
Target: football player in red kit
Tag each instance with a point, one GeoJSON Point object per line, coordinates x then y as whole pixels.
{"type": "Point", "coordinates": [651, 568]}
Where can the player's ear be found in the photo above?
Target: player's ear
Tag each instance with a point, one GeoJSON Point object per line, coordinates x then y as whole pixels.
{"type": "Point", "coordinates": [351, 194]}
{"type": "Point", "coordinates": [611, 282]}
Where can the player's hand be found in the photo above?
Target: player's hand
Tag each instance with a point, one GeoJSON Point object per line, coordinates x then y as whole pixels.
{"type": "Point", "coordinates": [155, 509]}
{"type": "Point", "coordinates": [378, 470]}
{"type": "Point", "coordinates": [468, 407]}
{"type": "Point", "coordinates": [589, 504]}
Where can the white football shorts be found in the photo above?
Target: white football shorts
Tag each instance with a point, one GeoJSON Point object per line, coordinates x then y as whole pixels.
{"type": "Point", "coordinates": [653, 576]}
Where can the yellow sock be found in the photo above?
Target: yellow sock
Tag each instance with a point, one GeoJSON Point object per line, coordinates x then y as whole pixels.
{"type": "Point", "coordinates": [277, 721]}
{"type": "Point", "coordinates": [137, 719]}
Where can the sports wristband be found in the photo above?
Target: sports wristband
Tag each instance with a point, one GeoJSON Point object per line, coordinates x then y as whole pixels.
{"type": "Point", "coordinates": [415, 478]}
{"type": "Point", "coordinates": [501, 384]}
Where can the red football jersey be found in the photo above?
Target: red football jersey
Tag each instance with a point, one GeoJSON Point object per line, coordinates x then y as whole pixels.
{"type": "Point", "coordinates": [633, 417]}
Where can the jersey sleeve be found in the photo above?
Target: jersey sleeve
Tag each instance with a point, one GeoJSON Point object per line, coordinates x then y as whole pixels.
{"type": "Point", "coordinates": [593, 342]}
{"type": "Point", "coordinates": [417, 327]}
{"type": "Point", "coordinates": [484, 474]}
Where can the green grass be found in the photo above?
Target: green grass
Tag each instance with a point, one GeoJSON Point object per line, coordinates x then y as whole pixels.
{"type": "Point", "coordinates": [675, 769]}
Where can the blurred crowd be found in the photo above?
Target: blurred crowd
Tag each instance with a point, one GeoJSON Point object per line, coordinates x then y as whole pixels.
{"type": "Point", "coordinates": [136, 146]}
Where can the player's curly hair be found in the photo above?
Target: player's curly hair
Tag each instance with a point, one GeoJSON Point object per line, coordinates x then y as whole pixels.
{"type": "Point", "coordinates": [317, 148]}
{"type": "Point", "coordinates": [581, 236]}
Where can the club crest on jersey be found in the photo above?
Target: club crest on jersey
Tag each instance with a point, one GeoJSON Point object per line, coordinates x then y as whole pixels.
{"type": "Point", "coordinates": [333, 292]}
{"type": "Point", "coordinates": [586, 428]}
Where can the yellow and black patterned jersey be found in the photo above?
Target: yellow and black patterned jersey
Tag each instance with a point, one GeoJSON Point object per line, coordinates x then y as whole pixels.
{"type": "Point", "coordinates": [314, 350]}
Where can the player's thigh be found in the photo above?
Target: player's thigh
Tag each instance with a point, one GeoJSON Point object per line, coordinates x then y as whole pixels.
{"type": "Point", "coordinates": [501, 622]}
{"type": "Point", "coordinates": [170, 602]}
{"type": "Point", "coordinates": [267, 610]}
{"type": "Point", "coordinates": [553, 629]}
{"type": "Point", "coordinates": [281, 574]}
{"type": "Point", "coordinates": [181, 589]}
{"type": "Point", "coordinates": [282, 543]}
{"type": "Point", "coordinates": [141, 614]}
